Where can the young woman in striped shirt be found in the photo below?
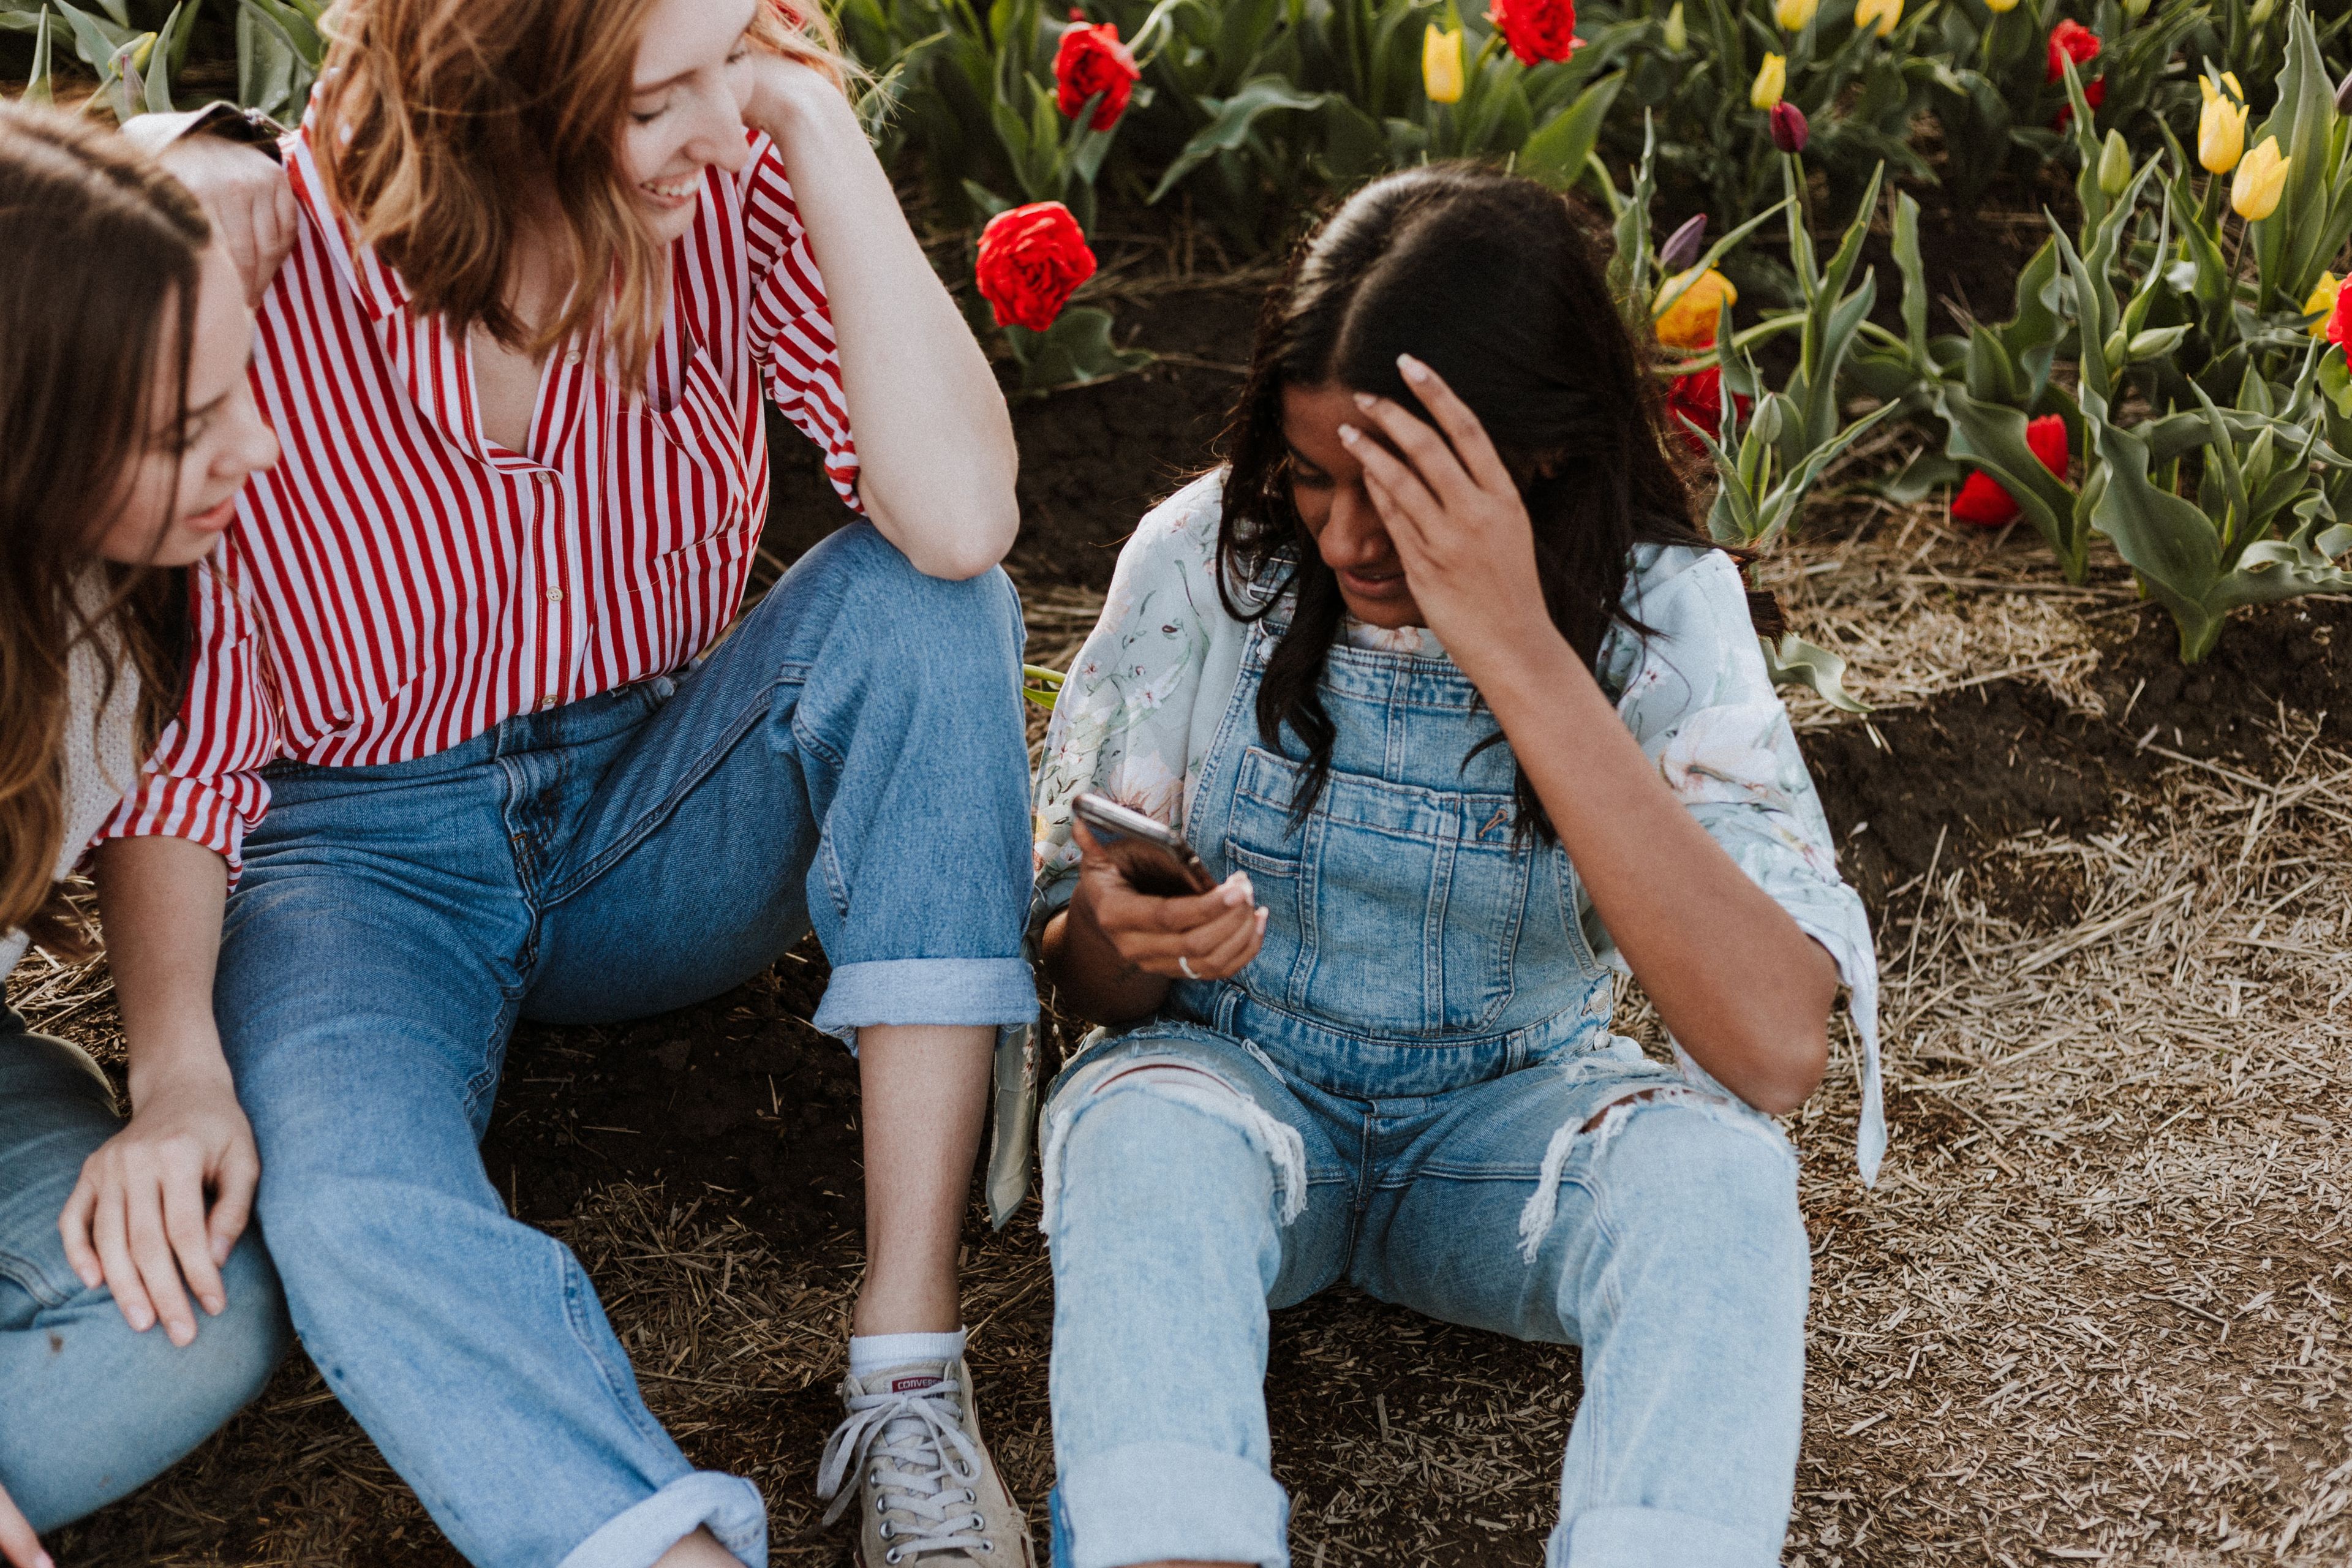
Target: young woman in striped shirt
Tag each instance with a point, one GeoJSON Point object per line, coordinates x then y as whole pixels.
{"type": "Point", "coordinates": [465, 655]}
{"type": "Point", "coordinates": [129, 430]}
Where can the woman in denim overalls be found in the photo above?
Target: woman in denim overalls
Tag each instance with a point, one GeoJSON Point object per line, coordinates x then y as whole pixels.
{"type": "Point", "coordinates": [1438, 678]}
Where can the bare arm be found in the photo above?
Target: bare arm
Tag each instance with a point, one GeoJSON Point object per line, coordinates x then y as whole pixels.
{"type": "Point", "coordinates": [164, 1200]}
{"type": "Point", "coordinates": [1739, 982]}
{"type": "Point", "coordinates": [935, 448]}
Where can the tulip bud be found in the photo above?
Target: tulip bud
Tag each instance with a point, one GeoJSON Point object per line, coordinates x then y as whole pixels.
{"type": "Point", "coordinates": [1879, 15]}
{"type": "Point", "coordinates": [2260, 13]}
{"type": "Point", "coordinates": [1771, 81]}
{"type": "Point", "coordinates": [2134, 9]}
{"type": "Point", "coordinates": [2001, 7]}
{"type": "Point", "coordinates": [2117, 350]}
{"type": "Point", "coordinates": [1682, 246]}
{"type": "Point", "coordinates": [2322, 303]}
{"type": "Point", "coordinates": [2114, 164]}
{"type": "Point", "coordinates": [1789, 131]}
{"type": "Point", "coordinates": [2261, 180]}
{"type": "Point", "coordinates": [1793, 15]}
{"type": "Point", "coordinates": [1440, 65]}
{"type": "Point", "coordinates": [2343, 94]}
{"type": "Point", "coordinates": [2220, 126]}
{"type": "Point", "coordinates": [1769, 417]}
{"type": "Point", "coordinates": [1677, 37]}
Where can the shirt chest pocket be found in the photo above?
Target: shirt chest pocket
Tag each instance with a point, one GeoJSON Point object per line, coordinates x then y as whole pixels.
{"type": "Point", "coordinates": [1392, 910]}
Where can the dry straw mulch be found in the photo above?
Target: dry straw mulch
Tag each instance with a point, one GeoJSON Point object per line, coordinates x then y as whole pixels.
{"type": "Point", "coordinates": [2094, 1309]}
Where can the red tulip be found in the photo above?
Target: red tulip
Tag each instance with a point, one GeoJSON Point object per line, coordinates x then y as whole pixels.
{"type": "Point", "coordinates": [2070, 40]}
{"type": "Point", "coordinates": [1091, 61]}
{"type": "Point", "coordinates": [1789, 131]}
{"type": "Point", "coordinates": [2338, 330]}
{"type": "Point", "coordinates": [1984, 502]}
{"type": "Point", "coordinates": [1537, 30]}
{"type": "Point", "coordinates": [1698, 397]}
{"type": "Point", "coordinates": [1031, 258]}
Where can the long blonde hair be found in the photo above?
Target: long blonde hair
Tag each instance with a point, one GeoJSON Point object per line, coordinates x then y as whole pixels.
{"type": "Point", "coordinates": [104, 253]}
{"type": "Point", "coordinates": [444, 120]}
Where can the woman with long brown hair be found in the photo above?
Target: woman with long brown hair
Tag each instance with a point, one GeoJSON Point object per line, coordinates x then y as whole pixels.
{"type": "Point", "coordinates": [129, 430]}
{"type": "Point", "coordinates": [463, 720]}
{"type": "Point", "coordinates": [1471, 719]}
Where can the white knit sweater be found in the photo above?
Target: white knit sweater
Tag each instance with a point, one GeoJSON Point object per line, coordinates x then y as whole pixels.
{"type": "Point", "coordinates": [100, 752]}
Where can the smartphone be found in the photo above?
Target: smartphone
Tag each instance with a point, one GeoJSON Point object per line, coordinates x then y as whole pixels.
{"type": "Point", "coordinates": [1153, 856]}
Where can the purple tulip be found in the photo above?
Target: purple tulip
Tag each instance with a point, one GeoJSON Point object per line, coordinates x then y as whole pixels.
{"type": "Point", "coordinates": [1682, 246]}
{"type": "Point", "coordinates": [1789, 128]}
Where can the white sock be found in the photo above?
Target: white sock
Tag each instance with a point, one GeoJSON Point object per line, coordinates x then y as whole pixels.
{"type": "Point", "coordinates": [870, 1354]}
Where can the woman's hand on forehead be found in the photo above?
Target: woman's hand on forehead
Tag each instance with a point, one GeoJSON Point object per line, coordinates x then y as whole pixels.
{"type": "Point", "coordinates": [1456, 516]}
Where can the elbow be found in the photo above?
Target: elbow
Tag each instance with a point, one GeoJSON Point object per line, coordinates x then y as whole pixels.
{"type": "Point", "coordinates": [1787, 1068]}
{"type": "Point", "coordinates": [975, 540]}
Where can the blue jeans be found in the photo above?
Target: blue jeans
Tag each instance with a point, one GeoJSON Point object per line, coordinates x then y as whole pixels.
{"type": "Point", "coordinates": [1192, 1183]}
{"type": "Point", "coordinates": [850, 757]}
{"type": "Point", "coordinates": [89, 1410]}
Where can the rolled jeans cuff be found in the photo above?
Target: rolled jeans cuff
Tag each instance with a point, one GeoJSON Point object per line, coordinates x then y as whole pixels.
{"type": "Point", "coordinates": [1151, 1502]}
{"type": "Point", "coordinates": [1652, 1538]}
{"type": "Point", "coordinates": [991, 991]}
{"type": "Point", "coordinates": [728, 1506]}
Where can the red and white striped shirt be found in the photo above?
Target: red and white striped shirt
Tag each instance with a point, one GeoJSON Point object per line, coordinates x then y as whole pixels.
{"type": "Point", "coordinates": [400, 583]}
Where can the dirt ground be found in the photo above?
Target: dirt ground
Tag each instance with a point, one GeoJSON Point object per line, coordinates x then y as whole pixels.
{"type": "Point", "coordinates": [2092, 1311]}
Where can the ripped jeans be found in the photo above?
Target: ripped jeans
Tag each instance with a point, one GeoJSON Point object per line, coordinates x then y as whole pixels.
{"type": "Point", "coordinates": [1191, 1184]}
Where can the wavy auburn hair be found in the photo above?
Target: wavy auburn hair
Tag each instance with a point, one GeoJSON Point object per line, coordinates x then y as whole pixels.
{"type": "Point", "coordinates": [104, 251]}
{"type": "Point", "coordinates": [1490, 281]}
{"type": "Point", "coordinates": [443, 121]}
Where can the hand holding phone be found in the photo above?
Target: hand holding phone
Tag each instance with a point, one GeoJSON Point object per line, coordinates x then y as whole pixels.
{"type": "Point", "coordinates": [1153, 901]}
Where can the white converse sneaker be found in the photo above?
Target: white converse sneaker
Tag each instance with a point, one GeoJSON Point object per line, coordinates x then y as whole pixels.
{"type": "Point", "coordinates": [931, 1494]}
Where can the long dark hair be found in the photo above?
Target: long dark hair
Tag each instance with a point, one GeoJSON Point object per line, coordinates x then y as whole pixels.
{"type": "Point", "coordinates": [1490, 281]}
{"type": "Point", "coordinates": [104, 253]}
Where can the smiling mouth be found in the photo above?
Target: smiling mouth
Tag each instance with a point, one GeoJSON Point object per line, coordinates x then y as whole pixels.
{"type": "Point", "coordinates": [673, 191]}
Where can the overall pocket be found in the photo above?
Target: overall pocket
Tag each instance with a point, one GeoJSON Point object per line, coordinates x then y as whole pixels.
{"type": "Point", "coordinates": [1394, 910]}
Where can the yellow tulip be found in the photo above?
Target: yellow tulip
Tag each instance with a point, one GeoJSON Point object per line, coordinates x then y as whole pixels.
{"type": "Point", "coordinates": [2261, 177]}
{"type": "Point", "coordinates": [1771, 82]}
{"type": "Point", "coordinates": [2220, 126]}
{"type": "Point", "coordinates": [2322, 301]}
{"type": "Point", "coordinates": [1692, 297]}
{"type": "Point", "coordinates": [1878, 14]}
{"type": "Point", "coordinates": [1677, 30]}
{"type": "Point", "coordinates": [1793, 15]}
{"type": "Point", "coordinates": [1440, 65]}
{"type": "Point", "coordinates": [2001, 7]}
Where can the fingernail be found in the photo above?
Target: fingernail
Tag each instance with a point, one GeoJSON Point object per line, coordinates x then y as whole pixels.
{"type": "Point", "coordinates": [1413, 369]}
{"type": "Point", "coordinates": [213, 1305]}
{"type": "Point", "coordinates": [181, 1335]}
{"type": "Point", "coordinates": [1347, 433]}
{"type": "Point", "coordinates": [1262, 912]}
{"type": "Point", "coordinates": [43, 1559]}
{"type": "Point", "coordinates": [222, 1246]}
{"type": "Point", "coordinates": [1364, 400]}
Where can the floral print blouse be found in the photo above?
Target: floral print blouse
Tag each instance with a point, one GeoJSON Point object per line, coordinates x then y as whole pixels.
{"type": "Point", "coordinates": [1146, 694]}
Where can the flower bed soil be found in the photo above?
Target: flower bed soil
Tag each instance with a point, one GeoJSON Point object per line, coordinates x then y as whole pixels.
{"type": "Point", "coordinates": [705, 1164]}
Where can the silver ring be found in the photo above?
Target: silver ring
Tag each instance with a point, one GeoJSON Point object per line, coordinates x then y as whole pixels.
{"type": "Point", "coordinates": [1186, 965]}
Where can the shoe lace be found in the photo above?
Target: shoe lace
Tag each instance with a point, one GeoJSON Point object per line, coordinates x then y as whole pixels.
{"type": "Point", "coordinates": [919, 1464]}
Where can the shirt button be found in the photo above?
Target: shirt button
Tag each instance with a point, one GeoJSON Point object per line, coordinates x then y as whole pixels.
{"type": "Point", "coordinates": [571, 358]}
{"type": "Point", "coordinates": [555, 595]}
{"type": "Point", "coordinates": [545, 475]}
{"type": "Point", "coordinates": [545, 704]}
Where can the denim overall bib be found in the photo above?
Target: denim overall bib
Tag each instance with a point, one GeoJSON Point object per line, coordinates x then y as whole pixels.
{"type": "Point", "coordinates": [1413, 1087]}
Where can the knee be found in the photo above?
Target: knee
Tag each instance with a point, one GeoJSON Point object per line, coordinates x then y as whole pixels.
{"type": "Point", "coordinates": [1710, 1184]}
{"type": "Point", "coordinates": [936, 630]}
{"type": "Point", "coordinates": [234, 1353]}
{"type": "Point", "coordinates": [1162, 1145]}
